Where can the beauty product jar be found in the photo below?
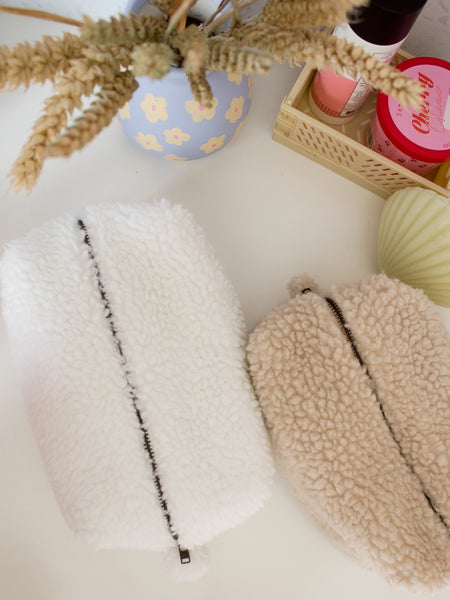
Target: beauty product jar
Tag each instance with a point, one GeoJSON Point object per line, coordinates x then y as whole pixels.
{"type": "Point", "coordinates": [418, 140]}
{"type": "Point", "coordinates": [380, 28]}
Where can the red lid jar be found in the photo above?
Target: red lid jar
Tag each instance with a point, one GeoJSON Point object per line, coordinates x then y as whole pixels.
{"type": "Point", "coordinates": [418, 140]}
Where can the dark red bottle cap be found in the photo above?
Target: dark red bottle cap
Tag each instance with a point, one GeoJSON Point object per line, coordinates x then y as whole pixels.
{"type": "Point", "coordinates": [385, 22]}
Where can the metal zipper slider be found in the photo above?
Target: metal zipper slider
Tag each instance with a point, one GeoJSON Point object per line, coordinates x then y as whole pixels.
{"type": "Point", "coordinates": [185, 556]}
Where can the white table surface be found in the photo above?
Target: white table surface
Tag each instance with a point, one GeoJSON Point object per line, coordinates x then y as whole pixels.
{"type": "Point", "coordinates": [270, 214]}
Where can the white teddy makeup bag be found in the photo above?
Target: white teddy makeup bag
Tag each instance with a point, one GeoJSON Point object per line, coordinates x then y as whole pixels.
{"type": "Point", "coordinates": [129, 341]}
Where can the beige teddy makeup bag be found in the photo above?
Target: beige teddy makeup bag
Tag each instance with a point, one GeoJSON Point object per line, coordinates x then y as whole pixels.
{"type": "Point", "coordinates": [355, 390]}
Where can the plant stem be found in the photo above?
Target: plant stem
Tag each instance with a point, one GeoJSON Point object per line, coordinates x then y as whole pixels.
{"type": "Point", "coordinates": [223, 18]}
{"type": "Point", "coordinates": [179, 15]}
{"type": "Point", "coordinates": [217, 12]}
{"type": "Point", "coordinates": [40, 14]}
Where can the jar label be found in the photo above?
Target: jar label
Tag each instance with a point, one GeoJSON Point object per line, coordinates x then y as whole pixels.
{"type": "Point", "coordinates": [377, 140]}
{"type": "Point", "coordinates": [361, 89]}
{"type": "Point", "coordinates": [428, 127]}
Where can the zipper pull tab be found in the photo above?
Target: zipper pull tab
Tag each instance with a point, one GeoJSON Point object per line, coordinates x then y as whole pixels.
{"type": "Point", "coordinates": [185, 557]}
{"type": "Point", "coordinates": [187, 565]}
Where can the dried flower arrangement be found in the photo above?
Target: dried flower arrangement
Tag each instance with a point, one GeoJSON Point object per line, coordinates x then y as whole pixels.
{"type": "Point", "coordinates": [104, 59]}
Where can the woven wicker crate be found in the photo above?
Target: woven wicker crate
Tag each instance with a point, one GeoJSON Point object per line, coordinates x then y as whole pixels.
{"type": "Point", "coordinates": [341, 148]}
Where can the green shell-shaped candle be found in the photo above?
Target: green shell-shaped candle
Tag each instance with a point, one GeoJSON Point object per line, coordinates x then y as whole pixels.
{"type": "Point", "coordinates": [414, 241]}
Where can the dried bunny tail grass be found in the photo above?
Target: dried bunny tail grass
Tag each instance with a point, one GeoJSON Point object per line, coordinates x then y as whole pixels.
{"type": "Point", "coordinates": [96, 67]}
{"type": "Point", "coordinates": [196, 57]}
{"type": "Point", "coordinates": [193, 46]}
{"type": "Point", "coordinates": [229, 57]}
{"type": "Point", "coordinates": [123, 30]}
{"type": "Point", "coordinates": [291, 14]}
{"type": "Point", "coordinates": [152, 59]}
{"type": "Point", "coordinates": [110, 98]}
{"type": "Point", "coordinates": [26, 64]}
{"type": "Point", "coordinates": [200, 88]}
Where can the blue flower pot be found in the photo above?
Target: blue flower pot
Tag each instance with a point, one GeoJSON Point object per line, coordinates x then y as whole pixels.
{"type": "Point", "coordinates": [163, 118]}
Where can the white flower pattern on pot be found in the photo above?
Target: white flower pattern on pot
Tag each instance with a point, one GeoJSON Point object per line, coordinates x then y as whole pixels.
{"type": "Point", "coordinates": [213, 144]}
{"type": "Point", "coordinates": [199, 112]}
{"type": "Point", "coordinates": [124, 112]}
{"type": "Point", "coordinates": [170, 105]}
{"type": "Point", "coordinates": [154, 108]}
{"type": "Point", "coordinates": [149, 142]}
{"type": "Point", "coordinates": [176, 136]}
{"type": "Point", "coordinates": [235, 77]}
{"type": "Point", "coordinates": [235, 111]}
{"type": "Point", "coordinates": [241, 124]}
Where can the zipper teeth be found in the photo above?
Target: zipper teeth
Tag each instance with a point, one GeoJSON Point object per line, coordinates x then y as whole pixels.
{"type": "Point", "coordinates": [338, 314]}
{"type": "Point", "coordinates": [184, 553]}
{"type": "Point", "coordinates": [336, 310]}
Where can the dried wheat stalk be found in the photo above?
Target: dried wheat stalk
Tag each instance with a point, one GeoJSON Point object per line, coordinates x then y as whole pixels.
{"type": "Point", "coordinates": [200, 87]}
{"type": "Point", "coordinates": [226, 56]}
{"type": "Point", "coordinates": [291, 14]}
{"type": "Point", "coordinates": [122, 30]}
{"type": "Point", "coordinates": [109, 99]}
{"type": "Point", "coordinates": [320, 49]}
{"type": "Point", "coordinates": [27, 64]}
{"type": "Point", "coordinates": [165, 6]}
{"type": "Point", "coordinates": [96, 67]}
{"type": "Point", "coordinates": [107, 55]}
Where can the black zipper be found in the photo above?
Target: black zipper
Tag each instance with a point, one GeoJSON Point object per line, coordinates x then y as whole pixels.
{"type": "Point", "coordinates": [339, 316]}
{"type": "Point", "coordinates": [184, 553]}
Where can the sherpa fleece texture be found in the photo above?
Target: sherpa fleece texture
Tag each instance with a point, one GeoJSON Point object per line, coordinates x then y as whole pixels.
{"type": "Point", "coordinates": [130, 344]}
{"type": "Point", "coordinates": [360, 420]}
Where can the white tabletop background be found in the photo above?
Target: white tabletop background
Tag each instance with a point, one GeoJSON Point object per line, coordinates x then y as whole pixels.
{"type": "Point", "coordinates": [270, 214]}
